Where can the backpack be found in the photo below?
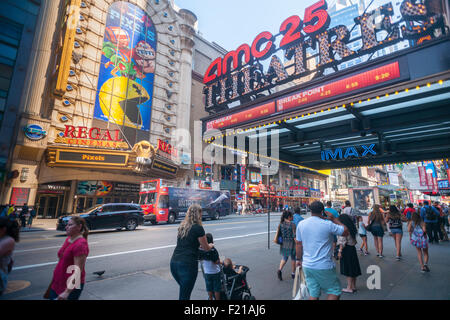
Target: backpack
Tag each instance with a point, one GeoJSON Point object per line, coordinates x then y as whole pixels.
{"type": "Point", "coordinates": [429, 214]}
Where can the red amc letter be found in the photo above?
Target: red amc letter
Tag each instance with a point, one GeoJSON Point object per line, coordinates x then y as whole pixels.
{"type": "Point", "coordinates": [214, 70]}
{"type": "Point", "coordinates": [69, 131]}
{"type": "Point", "coordinates": [243, 50]}
{"type": "Point", "coordinates": [97, 136]}
{"type": "Point", "coordinates": [82, 132]}
{"type": "Point", "coordinates": [262, 37]}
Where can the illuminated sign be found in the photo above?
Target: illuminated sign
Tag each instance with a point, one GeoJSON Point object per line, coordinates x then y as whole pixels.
{"type": "Point", "coordinates": [333, 89]}
{"type": "Point", "coordinates": [303, 98]}
{"type": "Point", "coordinates": [92, 137]}
{"type": "Point", "coordinates": [164, 167]}
{"type": "Point", "coordinates": [89, 158]}
{"type": "Point", "coordinates": [342, 154]}
{"type": "Point", "coordinates": [240, 74]}
{"type": "Point", "coordinates": [34, 132]}
{"type": "Point", "coordinates": [167, 148]}
{"type": "Point", "coordinates": [244, 116]}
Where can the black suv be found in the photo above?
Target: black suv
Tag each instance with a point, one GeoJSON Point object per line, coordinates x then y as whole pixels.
{"type": "Point", "coordinates": [109, 216]}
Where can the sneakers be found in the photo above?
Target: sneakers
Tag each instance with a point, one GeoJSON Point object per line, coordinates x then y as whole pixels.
{"type": "Point", "coordinates": [380, 256]}
{"type": "Point", "coordinates": [362, 251]}
{"type": "Point", "coordinates": [426, 268]}
{"type": "Point", "coordinates": [398, 258]}
{"type": "Point", "coordinates": [279, 275]}
{"type": "Point", "coordinates": [293, 275]}
{"type": "Point", "coordinates": [366, 253]}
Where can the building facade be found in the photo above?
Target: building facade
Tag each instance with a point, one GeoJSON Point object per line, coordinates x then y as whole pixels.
{"type": "Point", "coordinates": [103, 87]}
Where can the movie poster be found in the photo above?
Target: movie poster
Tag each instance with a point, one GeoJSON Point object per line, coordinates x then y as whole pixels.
{"type": "Point", "coordinates": [127, 70]}
{"type": "Point", "coordinates": [363, 200]}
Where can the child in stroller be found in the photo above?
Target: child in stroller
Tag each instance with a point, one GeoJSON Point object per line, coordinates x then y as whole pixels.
{"type": "Point", "coordinates": [235, 282]}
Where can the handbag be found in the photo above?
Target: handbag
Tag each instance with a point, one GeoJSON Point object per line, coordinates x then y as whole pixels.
{"type": "Point", "coordinates": [302, 293]}
{"type": "Point", "coordinates": [278, 238]}
{"type": "Point", "coordinates": [369, 227]}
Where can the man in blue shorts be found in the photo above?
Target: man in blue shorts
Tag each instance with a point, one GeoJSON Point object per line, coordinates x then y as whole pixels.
{"type": "Point", "coordinates": [314, 251]}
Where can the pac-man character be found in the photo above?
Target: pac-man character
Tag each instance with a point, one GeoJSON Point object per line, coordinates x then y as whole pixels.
{"type": "Point", "coordinates": [120, 99]}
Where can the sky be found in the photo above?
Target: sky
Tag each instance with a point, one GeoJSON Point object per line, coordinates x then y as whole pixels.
{"type": "Point", "coordinates": [231, 23]}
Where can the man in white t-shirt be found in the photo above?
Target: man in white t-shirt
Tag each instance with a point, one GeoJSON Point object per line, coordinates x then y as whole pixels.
{"type": "Point", "coordinates": [314, 251]}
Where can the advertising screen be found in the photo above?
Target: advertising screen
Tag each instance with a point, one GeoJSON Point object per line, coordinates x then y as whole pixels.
{"type": "Point", "coordinates": [126, 77]}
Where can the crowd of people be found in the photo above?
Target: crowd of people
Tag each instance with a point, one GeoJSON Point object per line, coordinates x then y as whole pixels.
{"type": "Point", "coordinates": [327, 234]}
{"type": "Point", "coordinates": [23, 214]}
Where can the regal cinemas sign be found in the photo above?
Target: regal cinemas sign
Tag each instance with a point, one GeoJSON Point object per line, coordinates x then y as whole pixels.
{"type": "Point", "coordinates": [91, 137]}
{"type": "Point", "coordinates": [240, 74]}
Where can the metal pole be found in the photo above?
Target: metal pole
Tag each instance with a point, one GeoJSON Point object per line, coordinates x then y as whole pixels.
{"type": "Point", "coordinates": [268, 216]}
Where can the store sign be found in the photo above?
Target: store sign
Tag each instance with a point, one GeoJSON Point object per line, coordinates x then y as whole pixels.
{"type": "Point", "coordinates": [19, 196]}
{"type": "Point", "coordinates": [342, 154]}
{"type": "Point", "coordinates": [87, 158]}
{"type": "Point", "coordinates": [164, 167]}
{"type": "Point", "coordinates": [34, 132]}
{"type": "Point", "coordinates": [166, 149]}
{"type": "Point", "coordinates": [240, 74]}
{"type": "Point", "coordinates": [92, 137]}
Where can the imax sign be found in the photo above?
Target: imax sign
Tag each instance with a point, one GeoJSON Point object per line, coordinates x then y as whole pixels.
{"type": "Point", "coordinates": [343, 154]}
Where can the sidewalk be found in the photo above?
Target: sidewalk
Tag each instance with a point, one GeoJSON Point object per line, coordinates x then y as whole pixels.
{"type": "Point", "coordinates": [41, 225]}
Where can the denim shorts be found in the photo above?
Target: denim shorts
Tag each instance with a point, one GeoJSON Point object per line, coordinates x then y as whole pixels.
{"type": "Point", "coordinates": [377, 231]}
{"type": "Point", "coordinates": [396, 231]}
{"type": "Point", "coordinates": [213, 283]}
{"type": "Point", "coordinates": [326, 280]}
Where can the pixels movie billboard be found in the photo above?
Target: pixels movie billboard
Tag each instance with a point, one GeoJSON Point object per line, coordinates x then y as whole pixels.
{"type": "Point", "coordinates": [125, 82]}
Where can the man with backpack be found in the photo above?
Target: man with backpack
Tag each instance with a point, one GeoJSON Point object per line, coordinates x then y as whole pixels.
{"type": "Point", "coordinates": [441, 230]}
{"type": "Point", "coordinates": [430, 215]}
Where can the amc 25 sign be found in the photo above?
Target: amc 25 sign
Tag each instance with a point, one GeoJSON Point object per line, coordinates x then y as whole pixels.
{"type": "Point", "coordinates": [350, 152]}
{"type": "Point", "coordinates": [239, 74]}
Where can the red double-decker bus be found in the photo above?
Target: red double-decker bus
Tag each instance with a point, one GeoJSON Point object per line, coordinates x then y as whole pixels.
{"type": "Point", "coordinates": [161, 201]}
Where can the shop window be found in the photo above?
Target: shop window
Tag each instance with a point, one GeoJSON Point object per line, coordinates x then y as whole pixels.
{"type": "Point", "coordinates": [107, 200]}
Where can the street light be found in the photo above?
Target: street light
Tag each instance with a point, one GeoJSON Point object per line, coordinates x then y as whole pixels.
{"type": "Point", "coordinates": [263, 165]}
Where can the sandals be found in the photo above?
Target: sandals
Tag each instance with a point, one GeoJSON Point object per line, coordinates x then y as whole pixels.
{"type": "Point", "coordinates": [349, 291]}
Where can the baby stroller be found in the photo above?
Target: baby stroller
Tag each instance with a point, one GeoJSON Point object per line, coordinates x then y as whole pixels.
{"type": "Point", "coordinates": [235, 287]}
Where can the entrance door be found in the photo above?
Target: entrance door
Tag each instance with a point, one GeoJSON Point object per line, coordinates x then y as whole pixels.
{"type": "Point", "coordinates": [81, 204]}
{"type": "Point", "coordinates": [52, 207]}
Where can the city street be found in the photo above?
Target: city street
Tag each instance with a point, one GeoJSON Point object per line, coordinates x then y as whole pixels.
{"type": "Point", "coordinates": [136, 264]}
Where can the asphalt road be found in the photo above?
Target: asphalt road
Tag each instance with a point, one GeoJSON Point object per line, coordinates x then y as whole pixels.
{"type": "Point", "coordinates": [136, 264]}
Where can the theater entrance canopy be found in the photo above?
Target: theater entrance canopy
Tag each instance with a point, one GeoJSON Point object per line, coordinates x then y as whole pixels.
{"type": "Point", "coordinates": [389, 109]}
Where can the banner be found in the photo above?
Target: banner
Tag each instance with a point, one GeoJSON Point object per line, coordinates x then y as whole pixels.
{"type": "Point", "coordinates": [422, 176]}
{"type": "Point", "coordinates": [126, 77]}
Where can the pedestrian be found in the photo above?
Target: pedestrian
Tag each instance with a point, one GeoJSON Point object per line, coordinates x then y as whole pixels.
{"type": "Point", "coordinates": [445, 209]}
{"type": "Point", "coordinates": [24, 216]}
{"type": "Point", "coordinates": [297, 216]}
{"type": "Point", "coordinates": [394, 218]}
{"type": "Point", "coordinates": [314, 251]}
{"type": "Point", "coordinates": [336, 215]}
{"type": "Point", "coordinates": [239, 209]}
{"type": "Point", "coordinates": [348, 259]}
{"type": "Point", "coordinates": [377, 226]}
{"type": "Point", "coordinates": [348, 210]}
{"type": "Point", "coordinates": [287, 246]}
{"type": "Point", "coordinates": [441, 230]}
{"type": "Point", "coordinates": [11, 209]}
{"type": "Point", "coordinates": [31, 217]}
{"type": "Point", "coordinates": [409, 211]}
{"type": "Point", "coordinates": [9, 235]}
{"type": "Point", "coordinates": [363, 234]}
{"type": "Point", "coordinates": [184, 261]}
{"type": "Point", "coordinates": [211, 269]}
{"type": "Point", "coordinates": [4, 211]}
{"type": "Point", "coordinates": [418, 238]}
{"type": "Point", "coordinates": [430, 216]}
{"type": "Point", "coordinates": [72, 259]}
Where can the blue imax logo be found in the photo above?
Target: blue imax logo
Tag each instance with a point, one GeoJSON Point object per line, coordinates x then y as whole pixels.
{"type": "Point", "coordinates": [340, 154]}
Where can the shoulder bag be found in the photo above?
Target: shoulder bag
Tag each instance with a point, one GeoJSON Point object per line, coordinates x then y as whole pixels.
{"type": "Point", "coordinates": [278, 238]}
{"type": "Point", "coordinates": [302, 292]}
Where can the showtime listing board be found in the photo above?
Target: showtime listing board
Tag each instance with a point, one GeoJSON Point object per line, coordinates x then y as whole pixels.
{"type": "Point", "coordinates": [126, 77]}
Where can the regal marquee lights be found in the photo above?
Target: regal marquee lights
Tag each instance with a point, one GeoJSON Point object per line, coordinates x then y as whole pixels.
{"type": "Point", "coordinates": [240, 74]}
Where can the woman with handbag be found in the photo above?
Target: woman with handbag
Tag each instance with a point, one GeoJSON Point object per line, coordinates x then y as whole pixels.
{"type": "Point", "coordinates": [349, 263]}
{"type": "Point", "coordinates": [377, 226]}
{"type": "Point", "coordinates": [286, 239]}
{"type": "Point", "coordinates": [72, 260]}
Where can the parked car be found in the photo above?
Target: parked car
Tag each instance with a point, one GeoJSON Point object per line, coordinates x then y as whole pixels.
{"type": "Point", "coordinates": [109, 216]}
